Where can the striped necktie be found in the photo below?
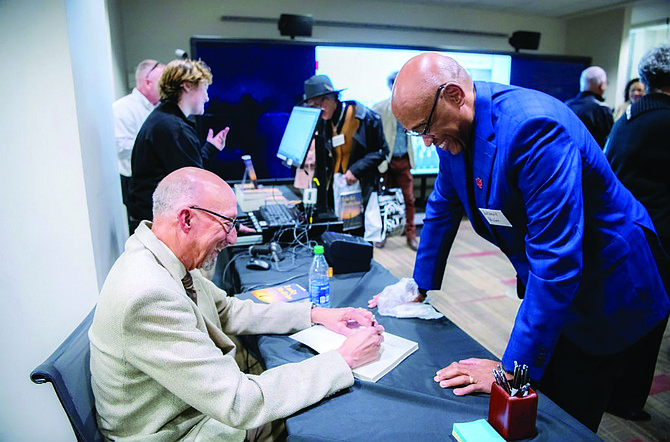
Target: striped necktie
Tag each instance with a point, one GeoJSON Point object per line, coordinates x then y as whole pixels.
{"type": "Point", "coordinates": [187, 281]}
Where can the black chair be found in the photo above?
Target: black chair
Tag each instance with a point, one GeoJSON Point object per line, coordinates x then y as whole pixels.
{"type": "Point", "coordinates": [69, 370]}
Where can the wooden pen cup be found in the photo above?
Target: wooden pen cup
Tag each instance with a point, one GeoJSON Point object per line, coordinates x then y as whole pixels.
{"type": "Point", "coordinates": [513, 417]}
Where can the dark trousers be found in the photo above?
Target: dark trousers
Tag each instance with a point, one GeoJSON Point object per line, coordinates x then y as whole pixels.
{"type": "Point", "coordinates": [125, 188]}
{"type": "Point", "coordinates": [584, 384]}
{"type": "Point", "coordinates": [133, 224]}
{"type": "Point", "coordinates": [399, 175]}
{"type": "Point", "coordinates": [125, 193]}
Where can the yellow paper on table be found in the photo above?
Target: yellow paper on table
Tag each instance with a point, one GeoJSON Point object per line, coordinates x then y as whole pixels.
{"type": "Point", "coordinates": [281, 293]}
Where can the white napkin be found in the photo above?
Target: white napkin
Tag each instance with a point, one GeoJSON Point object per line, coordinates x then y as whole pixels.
{"type": "Point", "coordinates": [397, 300]}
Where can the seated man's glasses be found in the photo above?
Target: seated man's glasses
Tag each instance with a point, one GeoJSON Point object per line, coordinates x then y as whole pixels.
{"type": "Point", "coordinates": [426, 128]}
{"type": "Point", "coordinates": [234, 222]}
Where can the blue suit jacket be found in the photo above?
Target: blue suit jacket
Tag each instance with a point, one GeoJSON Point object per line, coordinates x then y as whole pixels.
{"type": "Point", "coordinates": [578, 241]}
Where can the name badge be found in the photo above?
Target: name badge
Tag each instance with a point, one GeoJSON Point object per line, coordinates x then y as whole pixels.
{"type": "Point", "coordinates": [495, 217]}
{"type": "Point", "coordinates": [338, 140]}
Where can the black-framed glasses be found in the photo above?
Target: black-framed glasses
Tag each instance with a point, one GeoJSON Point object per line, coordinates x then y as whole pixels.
{"type": "Point", "coordinates": [234, 222]}
{"type": "Point", "coordinates": [426, 128]}
{"type": "Point", "coordinates": [152, 69]}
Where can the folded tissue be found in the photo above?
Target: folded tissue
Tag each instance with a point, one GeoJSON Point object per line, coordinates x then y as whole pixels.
{"type": "Point", "coordinates": [397, 300]}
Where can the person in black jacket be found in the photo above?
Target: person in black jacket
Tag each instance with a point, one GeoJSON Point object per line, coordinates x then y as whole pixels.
{"type": "Point", "coordinates": [168, 140]}
{"type": "Point", "coordinates": [639, 151]}
{"type": "Point", "coordinates": [590, 105]}
{"type": "Point", "coordinates": [356, 143]}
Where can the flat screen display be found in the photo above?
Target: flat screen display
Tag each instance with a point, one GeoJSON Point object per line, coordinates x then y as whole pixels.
{"type": "Point", "coordinates": [298, 135]}
{"type": "Point", "coordinates": [257, 83]}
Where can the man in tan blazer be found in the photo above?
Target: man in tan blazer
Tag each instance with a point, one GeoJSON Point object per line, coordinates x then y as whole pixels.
{"type": "Point", "coordinates": [162, 364]}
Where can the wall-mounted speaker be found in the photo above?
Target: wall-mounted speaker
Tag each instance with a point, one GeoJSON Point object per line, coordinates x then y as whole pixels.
{"type": "Point", "coordinates": [525, 40]}
{"type": "Point", "coordinates": [295, 25]}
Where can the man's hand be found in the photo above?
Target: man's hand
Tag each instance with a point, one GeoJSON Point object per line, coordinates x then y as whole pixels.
{"type": "Point", "coordinates": [350, 178]}
{"type": "Point", "coordinates": [362, 346]}
{"type": "Point", "coordinates": [218, 140]}
{"type": "Point", "coordinates": [471, 375]}
{"type": "Point", "coordinates": [244, 229]}
{"type": "Point", "coordinates": [344, 321]}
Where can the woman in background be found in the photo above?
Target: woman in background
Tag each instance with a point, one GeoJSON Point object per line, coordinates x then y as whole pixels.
{"type": "Point", "coordinates": [634, 91]}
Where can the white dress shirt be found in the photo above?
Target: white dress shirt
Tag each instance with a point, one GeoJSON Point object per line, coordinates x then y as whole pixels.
{"type": "Point", "coordinates": [129, 115]}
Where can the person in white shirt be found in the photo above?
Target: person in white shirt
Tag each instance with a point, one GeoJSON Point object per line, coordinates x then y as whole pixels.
{"type": "Point", "coordinates": [131, 111]}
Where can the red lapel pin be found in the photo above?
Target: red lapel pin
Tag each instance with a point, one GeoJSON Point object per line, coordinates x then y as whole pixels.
{"type": "Point", "coordinates": [479, 182]}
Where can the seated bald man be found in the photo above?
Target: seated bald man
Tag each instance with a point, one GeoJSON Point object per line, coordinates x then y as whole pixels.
{"type": "Point", "coordinates": [162, 364]}
{"type": "Point", "coordinates": [534, 182]}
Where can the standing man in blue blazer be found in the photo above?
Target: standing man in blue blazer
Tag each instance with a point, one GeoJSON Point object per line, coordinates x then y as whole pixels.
{"type": "Point", "coordinates": [533, 181]}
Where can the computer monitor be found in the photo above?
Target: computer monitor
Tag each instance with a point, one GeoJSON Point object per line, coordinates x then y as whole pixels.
{"type": "Point", "coordinates": [298, 135]}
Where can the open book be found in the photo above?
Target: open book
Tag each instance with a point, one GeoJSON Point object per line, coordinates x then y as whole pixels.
{"type": "Point", "coordinates": [393, 350]}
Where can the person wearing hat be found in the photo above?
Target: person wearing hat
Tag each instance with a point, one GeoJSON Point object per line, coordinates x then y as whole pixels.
{"type": "Point", "coordinates": [355, 140]}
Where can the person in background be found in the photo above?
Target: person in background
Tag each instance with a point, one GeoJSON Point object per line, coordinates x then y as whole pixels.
{"type": "Point", "coordinates": [402, 160]}
{"type": "Point", "coordinates": [639, 151]}
{"type": "Point", "coordinates": [129, 115]}
{"type": "Point", "coordinates": [533, 181]}
{"type": "Point", "coordinates": [356, 143]}
{"type": "Point", "coordinates": [168, 139]}
{"type": "Point", "coordinates": [634, 91]}
{"type": "Point", "coordinates": [590, 105]}
{"type": "Point", "coordinates": [162, 360]}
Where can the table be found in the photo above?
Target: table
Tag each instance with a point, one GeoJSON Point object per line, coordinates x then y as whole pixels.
{"type": "Point", "coordinates": [406, 404]}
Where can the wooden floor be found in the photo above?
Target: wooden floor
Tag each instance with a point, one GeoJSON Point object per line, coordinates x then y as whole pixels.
{"type": "Point", "coordinates": [479, 296]}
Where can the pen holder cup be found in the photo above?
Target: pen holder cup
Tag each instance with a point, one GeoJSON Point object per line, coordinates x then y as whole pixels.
{"type": "Point", "coordinates": [513, 417]}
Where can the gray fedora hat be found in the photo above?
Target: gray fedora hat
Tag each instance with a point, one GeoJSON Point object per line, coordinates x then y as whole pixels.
{"type": "Point", "coordinates": [318, 85]}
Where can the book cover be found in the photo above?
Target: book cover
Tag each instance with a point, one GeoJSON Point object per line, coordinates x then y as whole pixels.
{"type": "Point", "coordinates": [351, 210]}
{"type": "Point", "coordinates": [475, 431]}
{"type": "Point", "coordinates": [393, 350]}
{"type": "Point", "coordinates": [281, 293]}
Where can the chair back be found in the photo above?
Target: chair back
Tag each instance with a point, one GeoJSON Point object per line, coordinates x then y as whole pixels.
{"type": "Point", "coordinates": [69, 371]}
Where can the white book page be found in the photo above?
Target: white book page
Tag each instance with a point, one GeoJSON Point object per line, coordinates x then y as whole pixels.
{"type": "Point", "coordinates": [393, 350]}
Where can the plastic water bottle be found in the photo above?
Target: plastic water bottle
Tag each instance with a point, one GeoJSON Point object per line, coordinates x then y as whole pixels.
{"type": "Point", "coordinates": [319, 284]}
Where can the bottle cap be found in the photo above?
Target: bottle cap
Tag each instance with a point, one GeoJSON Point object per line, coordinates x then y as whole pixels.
{"type": "Point", "coordinates": [318, 250]}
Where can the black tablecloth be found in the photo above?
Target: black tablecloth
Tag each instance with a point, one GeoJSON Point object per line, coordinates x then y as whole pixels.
{"type": "Point", "coordinates": [406, 404]}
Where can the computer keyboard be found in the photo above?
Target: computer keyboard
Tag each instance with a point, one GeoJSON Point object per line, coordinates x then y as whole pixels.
{"type": "Point", "coordinates": [249, 238]}
{"type": "Point", "coordinates": [278, 215]}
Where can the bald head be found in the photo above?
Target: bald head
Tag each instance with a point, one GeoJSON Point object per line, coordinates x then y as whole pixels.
{"type": "Point", "coordinates": [414, 95]}
{"type": "Point", "coordinates": [593, 79]}
{"type": "Point", "coordinates": [193, 216]}
{"type": "Point", "coordinates": [419, 78]}
{"type": "Point", "coordinates": [188, 186]}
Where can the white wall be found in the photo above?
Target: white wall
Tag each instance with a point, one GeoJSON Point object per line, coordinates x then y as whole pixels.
{"type": "Point", "coordinates": [650, 11]}
{"type": "Point", "coordinates": [600, 36]}
{"type": "Point", "coordinates": [152, 32]}
{"type": "Point", "coordinates": [121, 84]}
{"type": "Point", "coordinates": [61, 206]}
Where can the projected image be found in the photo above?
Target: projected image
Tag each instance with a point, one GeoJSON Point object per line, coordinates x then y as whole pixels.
{"type": "Point", "coordinates": [363, 72]}
{"type": "Point", "coordinates": [425, 157]}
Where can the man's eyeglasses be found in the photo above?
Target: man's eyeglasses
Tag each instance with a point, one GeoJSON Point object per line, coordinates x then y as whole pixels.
{"type": "Point", "coordinates": [426, 128]}
{"type": "Point", "coordinates": [234, 222]}
{"type": "Point", "coordinates": [152, 69]}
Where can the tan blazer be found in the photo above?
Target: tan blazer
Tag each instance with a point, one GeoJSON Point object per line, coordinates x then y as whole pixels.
{"type": "Point", "coordinates": [163, 368]}
{"type": "Point", "coordinates": [390, 125]}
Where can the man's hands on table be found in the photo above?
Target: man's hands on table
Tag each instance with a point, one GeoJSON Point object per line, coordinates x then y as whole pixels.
{"type": "Point", "coordinates": [469, 375]}
{"type": "Point", "coordinates": [364, 335]}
